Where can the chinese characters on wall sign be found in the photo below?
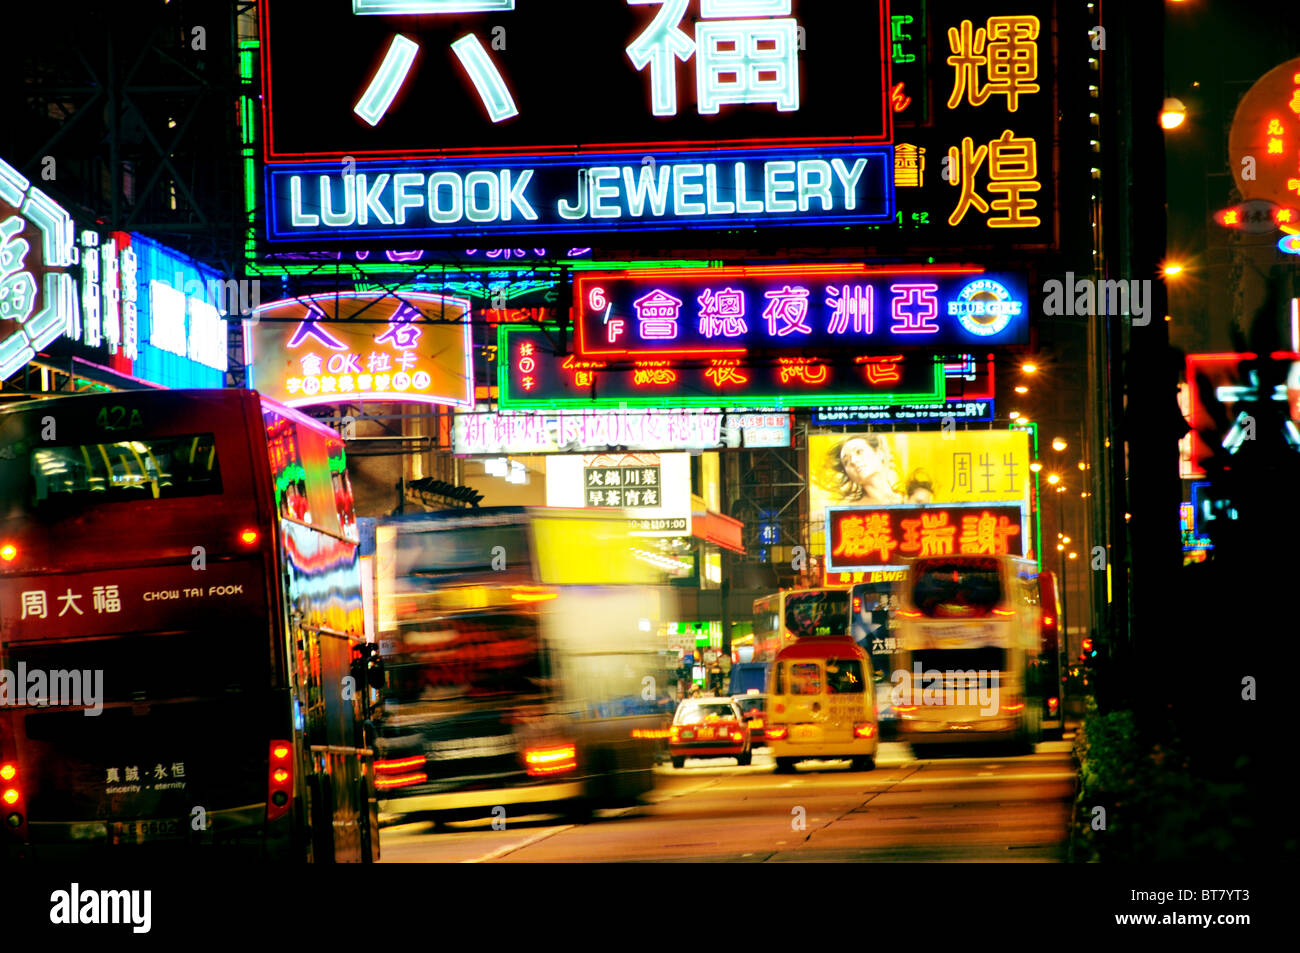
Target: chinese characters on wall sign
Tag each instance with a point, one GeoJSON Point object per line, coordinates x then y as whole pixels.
{"type": "Point", "coordinates": [359, 346]}
{"type": "Point", "coordinates": [534, 375]}
{"type": "Point", "coordinates": [725, 312]}
{"type": "Point", "coordinates": [871, 538]}
{"type": "Point", "coordinates": [624, 486]}
{"type": "Point", "coordinates": [998, 59]}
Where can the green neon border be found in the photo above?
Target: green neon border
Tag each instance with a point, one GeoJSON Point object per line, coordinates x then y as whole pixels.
{"type": "Point", "coordinates": [508, 401]}
{"type": "Point", "coordinates": [1032, 428]}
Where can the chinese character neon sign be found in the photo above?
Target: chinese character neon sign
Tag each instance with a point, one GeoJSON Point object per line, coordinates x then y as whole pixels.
{"type": "Point", "coordinates": [861, 539]}
{"type": "Point", "coordinates": [407, 346]}
{"type": "Point", "coordinates": [730, 312]}
{"type": "Point", "coordinates": [533, 376]}
{"type": "Point", "coordinates": [38, 297]}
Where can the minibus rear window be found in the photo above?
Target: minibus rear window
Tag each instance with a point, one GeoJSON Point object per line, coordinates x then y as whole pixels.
{"type": "Point", "coordinates": [844, 677]}
{"type": "Point", "coordinates": [958, 589]}
{"type": "Point", "coordinates": [805, 678]}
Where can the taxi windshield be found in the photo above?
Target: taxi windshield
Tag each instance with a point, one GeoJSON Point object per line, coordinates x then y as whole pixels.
{"type": "Point", "coordinates": [696, 714]}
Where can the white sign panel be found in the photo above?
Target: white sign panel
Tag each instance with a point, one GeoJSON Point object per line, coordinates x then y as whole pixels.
{"type": "Point", "coordinates": [619, 474]}
{"type": "Point", "coordinates": [481, 434]}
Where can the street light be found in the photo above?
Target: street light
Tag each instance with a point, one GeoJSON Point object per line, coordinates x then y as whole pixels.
{"type": "Point", "coordinates": [1029, 368]}
{"type": "Point", "coordinates": [1053, 479]}
{"type": "Point", "coordinates": [1172, 269]}
{"type": "Point", "coordinates": [1058, 444]}
{"type": "Point", "coordinates": [1022, 389]}
{"type": "Point", "coordinates": [1172, 113]}
{"type": "Point", "coordinates": [1035, 466]}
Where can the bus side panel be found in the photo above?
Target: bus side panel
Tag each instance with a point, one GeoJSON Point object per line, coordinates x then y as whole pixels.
{"type": "Point", "coordinates": [323, 587]}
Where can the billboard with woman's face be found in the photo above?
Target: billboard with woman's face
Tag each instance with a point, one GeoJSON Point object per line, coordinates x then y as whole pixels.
{"type": "Point", "coordinates": [891, 468]}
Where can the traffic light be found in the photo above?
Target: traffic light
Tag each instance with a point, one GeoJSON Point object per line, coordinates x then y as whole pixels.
{"type": "Point", "coordinates": [1088, 651]}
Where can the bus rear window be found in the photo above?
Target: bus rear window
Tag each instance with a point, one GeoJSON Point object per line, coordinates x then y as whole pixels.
{"type": "Point", "coordinates": [957, 590]}
{"type": "Point", "coordinates": [844, 677]}
{"type": "Point", "coordinates": [150, 468]}
{"type": "Point", "coordinates": [805, 678]}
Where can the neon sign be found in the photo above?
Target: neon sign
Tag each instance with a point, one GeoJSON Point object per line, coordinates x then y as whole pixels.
{"type": "Point", "coordinates": [602, 193]}
{"type": "Point", "coordinates": [729, 312]}
{"type": "Point", "coordinates": [531, 374]}
{"type": "Point", "coordinates": [38, 298]}
{"type": "Point", "coordinates": [324, 349]}
{"type": "Point", "coordinates": [861, 539]}
{"type": "Point", "coordinates": [514, 78]}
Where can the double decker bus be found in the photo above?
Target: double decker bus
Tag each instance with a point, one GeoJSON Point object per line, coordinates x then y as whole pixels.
{"type": "Point", "coordinates": [792, 614]}
{"type": "Point", "coordinates": [181, 614]}
{"type": "Point", "coordinates": [969, 645]}
{"type": "Point", "coordinates": [525, 660]}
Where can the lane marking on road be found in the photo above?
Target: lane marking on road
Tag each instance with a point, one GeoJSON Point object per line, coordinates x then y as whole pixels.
{"type": "Point", "coordinates": [996, 779]}
{"type": "Point", "coordinates": [511, 848]}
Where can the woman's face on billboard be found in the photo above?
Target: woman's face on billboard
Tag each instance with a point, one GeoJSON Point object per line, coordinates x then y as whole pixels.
{"type": "Point", "coordinates": [860, 461]}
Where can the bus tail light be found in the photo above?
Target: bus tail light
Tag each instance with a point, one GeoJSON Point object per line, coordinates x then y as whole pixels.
{"type": "Point", "coordinates": [279, 780]}
{"type": "Point", "coordinates": [400, 764]}
{"type": "Point", "coordinates": [11, 796]}
{"type": "Point", "coordinates": [8, 552]}
{"type": "Point", "coordinates": [1015, 706]}
{"type": "Point", "coordinates": [552, 759]}
{"type": "Point", "coordinates": [909, 614]}
{"type": "Point", "coordinates": [906, 708]}
{"type": "Point", "coordinates": [864, 730]}
{"type": "Point", "coordinates": [1004, 612]}
{"type": "Point", "coordinates": [776, 732]}
{"type": "Point", "coordinates": [400, 780]}
{"type": "Point", "coordinates": [248, 537]}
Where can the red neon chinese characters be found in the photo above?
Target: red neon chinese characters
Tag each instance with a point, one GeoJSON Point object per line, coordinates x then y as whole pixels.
{"type": "Point", "coordinates": [883, 370]}
{"type": "Point", "coordinates": [928, 535]}
{"type": "Point", "coordinates": [583, 372]}
{"type": "Point", "coordinates": [898, 99]}
{"type": "Point", "coordinates": [986, 535]}
{"type": "Point", "coordinates": [860, 536]}
{"type": "Point", "coordinates": [653, 372]}
{"type": "Point", "coordinates": [527, 364]}
{"type": "Point", "coordinates": [723, 372]}
{"type": "Point", "coordinates": [806, 369]}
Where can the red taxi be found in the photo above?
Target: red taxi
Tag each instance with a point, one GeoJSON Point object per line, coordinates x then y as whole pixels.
{"type": "Point", "coordinates": [709, 728]}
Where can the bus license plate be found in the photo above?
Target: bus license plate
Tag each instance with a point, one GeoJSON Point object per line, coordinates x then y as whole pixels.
{"type": "Point", "coordinates": [806, 733]}
{"type": "Point", "coordinates": [140, 831]}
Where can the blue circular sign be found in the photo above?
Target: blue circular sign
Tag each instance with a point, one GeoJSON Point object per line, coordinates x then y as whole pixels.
{"type": "Point", "coordinates": [985, 307]}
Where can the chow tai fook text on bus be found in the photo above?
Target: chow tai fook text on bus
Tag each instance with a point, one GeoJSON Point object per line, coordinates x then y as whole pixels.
{"type": "Point", "coordinates": [193, 555]}
{"type": "Point", "coordinates": [970, 662]}
{"type": "Point", "coordinates": [526, 663]}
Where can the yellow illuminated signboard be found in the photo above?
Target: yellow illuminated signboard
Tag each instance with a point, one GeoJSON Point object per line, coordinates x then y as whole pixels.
{"type": "Point", "coordinates": [330, 348]}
